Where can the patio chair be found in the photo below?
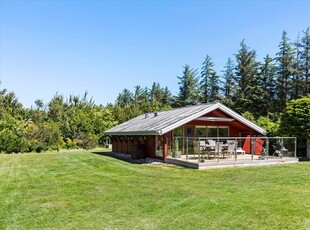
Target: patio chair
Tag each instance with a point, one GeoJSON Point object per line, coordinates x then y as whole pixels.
{"type": "Point", "coordinates": [231, 148]}
{"type": "Point", "coordinates": [201, 144]}
{"type": "Point", "coordinates": [239, 150]}
{"type": "Point", "coordinates": [247, 144]}
{"type": "Point", "coordinates": [217, 149]}
{"type": "Point", "coordinates": [212, 144]}
{"type": "Point", "coordinates": [259, 149]}
{"type": "Point", "coordinates": [258, 145]}
{"type": "Point", "coordinates": [198, 147]}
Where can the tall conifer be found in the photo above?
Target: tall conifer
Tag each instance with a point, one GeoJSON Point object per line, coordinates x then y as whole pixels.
{"type": "Point", "coordinates": [305, 60]}
{"type": "Point", "coordinates": [247, 95]}
{"type": "Point", "coordinates": [285, 71]}
{"type": "Point", "coordinates": [188, 87]}
{"type": "Point", "coordinates": [209, 82]}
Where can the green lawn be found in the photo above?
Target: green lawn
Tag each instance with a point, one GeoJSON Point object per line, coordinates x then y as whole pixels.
{"type": "Point", "coordinates": [83, 190]}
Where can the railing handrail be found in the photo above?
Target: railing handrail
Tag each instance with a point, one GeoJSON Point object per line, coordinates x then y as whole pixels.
{"type": "Point", "coordinates": [228, 138]}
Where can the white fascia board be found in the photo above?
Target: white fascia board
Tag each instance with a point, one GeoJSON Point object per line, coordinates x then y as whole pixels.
{"type": "Point", "coordinates": [242, 119]}
{"type": "Point", "coordinates": [188, 119]}
{"type": "Point", "coordinates": [144, 133]}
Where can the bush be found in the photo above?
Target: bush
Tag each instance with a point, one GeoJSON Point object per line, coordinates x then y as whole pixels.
{"type": "Point", "coordinates": [69, 144]}
{"type": "Point", "coordinates": [87, 141]}
{"type": "Point", "coordinates": [41, 147]}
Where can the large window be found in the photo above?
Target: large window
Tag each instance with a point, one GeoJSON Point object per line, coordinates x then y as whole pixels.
{"type": "Point", "coordinates": [189, 131]}
{"type": "Point", "coordinates": [217, 131]}
{"type": "Point", "coordinates": [201, 131]}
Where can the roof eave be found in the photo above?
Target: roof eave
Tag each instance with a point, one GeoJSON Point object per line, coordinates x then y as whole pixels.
{"type": "Point", "coordinates": [134, 133]}
{"type": "Point", "coordinates": [242, 119]}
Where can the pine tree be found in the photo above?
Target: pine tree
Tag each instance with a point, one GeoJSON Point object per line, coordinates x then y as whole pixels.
{"type": "Point", "coordinates": [285, 71]}
{"type": "Point", "coordinates": [247, 94]}
{"type": "Point", "coordinates": [267, 84]}
{"type": "Point", "coordinates": [167, 98]}
{"type": "Point", "coordinates": [124, 98]}
{"type": "Point", "coordinates": [297, 81]}
{"type": "Point", "coordinates": [305, 60]}
{"type": "Point", "coordinates": [187, 87]}
{"type": "Point", "coordinates": [229, 83]}
{"type": "Point", "coordinates": [209, 82]}
{"type": "Point", "coordinates": [137, 94]}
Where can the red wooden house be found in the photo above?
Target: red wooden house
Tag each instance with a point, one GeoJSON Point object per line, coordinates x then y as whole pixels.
{"type": "Point", "coordinates": [151, 135]}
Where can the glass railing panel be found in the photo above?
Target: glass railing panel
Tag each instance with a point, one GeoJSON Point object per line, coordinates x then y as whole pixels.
{"type": "Point", "coordinates": [203, 149]}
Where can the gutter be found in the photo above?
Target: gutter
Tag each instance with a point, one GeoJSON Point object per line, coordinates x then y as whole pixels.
{"type": "Point", "coordinates": [134, 133]}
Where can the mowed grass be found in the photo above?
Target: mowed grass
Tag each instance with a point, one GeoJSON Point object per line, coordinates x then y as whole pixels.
{"type": "Point", "coordinates": [84, 190]}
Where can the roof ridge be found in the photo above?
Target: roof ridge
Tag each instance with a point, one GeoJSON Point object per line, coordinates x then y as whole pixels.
{"type": "Point", "coordinates": [187, 106]}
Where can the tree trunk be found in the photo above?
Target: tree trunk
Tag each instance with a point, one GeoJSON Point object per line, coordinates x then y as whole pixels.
{"type": "Point", "coordinates": [308, 148]}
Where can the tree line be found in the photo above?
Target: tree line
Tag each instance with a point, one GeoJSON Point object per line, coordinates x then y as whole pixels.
{"type": "Point", "coordinates": [74, 122]}
{"type": "Point", "coordinates": [245, 84]}
{"type": "Point", "coordinates": [259, 91]}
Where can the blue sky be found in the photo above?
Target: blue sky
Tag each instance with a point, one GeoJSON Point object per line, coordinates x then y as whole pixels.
{"type": "Point", "coordinates": [105, 46]}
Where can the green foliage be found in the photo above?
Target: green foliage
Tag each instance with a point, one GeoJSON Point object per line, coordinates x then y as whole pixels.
{"type": "Point", "coordinates": [285, 71]}
{"type": "Point", "coordinates": [188, 92]}
{"type": "Point", "coordinates": [270, 126]}
{"type": "Point", "coordinates": [208, 83]}
{"type": "Point", "coordinates": [12, 139]}
{"type": "Point", "coordinates": [295, 119]}
{"type": "Point", "coordinates": [304, 54]}
{"type": "Point", "coordinates": [129, 105]}
{"type": "Point", "coordinates": [76, 120]}
{"type": "Point", "coordinates": [247, 87]}
{"type": "Point", "coordinates": [266, 85]}
{"type": "Point", "coordinates": [69, 144]}
{"type": "Point", "coordinates": [229, 79]}
{"type": "Point", "coordinates": [248, 115]}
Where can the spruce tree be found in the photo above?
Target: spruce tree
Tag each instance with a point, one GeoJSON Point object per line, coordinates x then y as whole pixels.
{"type": "Point", "coordinates": [167, 98]}
{"type": "Point", "coordinates": [229, 83]}
{"type": "Point", "coordinates": [124, 98]}
{"type": "Point", "coordinates": [187, 87]}
{"type": "Point", "coordinates": [305, 60]}
{"type": "Point", "coordinates": [285, 71]}
{"type": "Point", "coordinates": [247, 93]}
{"type": "Point", "coordinates": [267, 84]}
{"type": "Point", "coordinates": [297, 80]}
{"type": "Point", "coordinates": [209, 82]}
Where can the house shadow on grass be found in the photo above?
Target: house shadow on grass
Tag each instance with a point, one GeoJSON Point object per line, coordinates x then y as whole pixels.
{"type": "Point", "coordinates": [121, 156]}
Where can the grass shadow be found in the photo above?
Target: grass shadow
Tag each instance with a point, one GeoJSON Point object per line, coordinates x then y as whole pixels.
{"type": "Point", "coordinates": [120, 157]}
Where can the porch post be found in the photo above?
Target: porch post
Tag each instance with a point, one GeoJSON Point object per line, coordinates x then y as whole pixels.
{"type": "Point", "coordinates": [164, 146]}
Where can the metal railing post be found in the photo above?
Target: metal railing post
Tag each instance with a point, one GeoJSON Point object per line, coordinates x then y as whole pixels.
{"type": "Point", "coordinates": [252, 148]}
{"type": "Point", "coordinates": [236, 146]}
{"type": "Point", "coordinates": [295, 153]}
{"type": "Point", "coordinates": [199, 149]}
{"type": "Point", "coordinates": [186, 149]}
{"type": "Point", "coordinates": [267, 148]}
{"type": "Point", "coordinates": [218, 150]}
{"type": "Point", "coordinates": [281, 155]}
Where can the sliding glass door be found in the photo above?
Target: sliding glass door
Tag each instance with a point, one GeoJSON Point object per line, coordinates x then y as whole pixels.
{"type": "Point", "coordinates": [218, 131]}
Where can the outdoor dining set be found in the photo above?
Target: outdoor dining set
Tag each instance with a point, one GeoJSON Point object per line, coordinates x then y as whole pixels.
{"type": "Point", "coordinates": [218, 148]}
{"type": "Point", "coordinates": [221, 149]}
